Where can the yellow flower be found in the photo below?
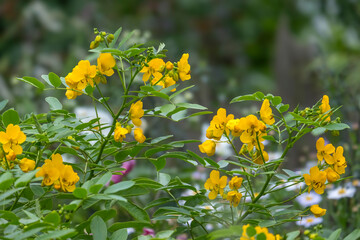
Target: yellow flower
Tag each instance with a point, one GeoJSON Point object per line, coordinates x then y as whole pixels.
{"type": "Point", "coordinates": [54, 172]}
{"type": "Point", "coordinates": [184, 67]}
{"type": "Point", "coordinates": [50, 171]}
{"type": "Point", "coordinates": [235, 183]}
{"type": "Point", "coordinates": [169, 81]}
{"type": "Point", "coordinates": [315, 180]}
{"type": "Point", "coordinates": [234, 126]}
{"type": "Point", "coordinates": [257, 158]}
{"type": "Point", "coordinates": [251, 127]}
{"type": "Point", "coordinates": [139, 136]}
{"type": "Point", "coordinates": [339, 160]}
{"type": "Point", "coordinates": [234, 198]}
{"type": "Point", "coordinates": [324, 152]}
{"type": "Point", "coordinates": [27, 165]}
{"type": "Point", "coordinates": [169, 65]}
{"type": "Point", "coordinates": [218, 124]}
{"type": "Point", "coordinates": [83, 74]}
{"type": "Point", "coordinates": [120, 133]}
{"type": "Point", "coordinates": [325, 107]}
{"type": "Point", "coordinates": [68, 179]}
{"type": "Point", "coordinates": [136, 112]}
{"type": "Point", "coordinates": [105, 64]}
{"type": "Point", "coordinates": [317, 211]}
{"type": "Point", "coordinates": [208, 147]}
{"type": "Point", "coordinates": [155, 66]}
{"type": "Point", "coordinates": [215, 184]}
{"type": "Point", "coordinates": [266, 113]}
{"type": "Point", "coordinates": [331, 175]}
{"type": "Point", "coordinates": [338, 156]}
{"type": "Point", "coordinates": [11, 138]}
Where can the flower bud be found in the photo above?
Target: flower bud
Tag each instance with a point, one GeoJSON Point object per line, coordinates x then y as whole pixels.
{"type": "Point", "coordinates": [103, 33]}
{"type": "Point", "coordinates": [110, 38]}
{"type": "Point", "coordinates": [335, 133]}
{"type": "Point", "coordinates": [98, 39]}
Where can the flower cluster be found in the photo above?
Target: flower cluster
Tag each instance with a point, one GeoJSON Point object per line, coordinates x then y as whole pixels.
{"type": "Point", "coordinates": [250, 129]}
{"type": "Point", "coordinates": [84, 74]}
{"type": "Point", "coordinates": [216, 185]}
{"type": "Point", "coordinates": [60, 175]}
{"type": "Point", "coordinates": [258, 231]}
{"type": "Point", "coordinates": [11, 140]}
{"type": "Point", "coordinates": [234, 196]}
{"type": "Point", "coordinates": [335, 165]}
{"type": "Point", "coordinates": [136, 112]}
{"type": "Point", "coordinates": [166, 74]}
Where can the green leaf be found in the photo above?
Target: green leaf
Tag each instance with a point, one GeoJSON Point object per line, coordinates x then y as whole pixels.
{"type": "Point", "coordinates": [95, 188]}
{"type": "Point", "coordinates": [335, 235]}
{"type": "Point", "coordinates": [191, 106]}
{"type": "Point", "coordinates": [197, 157]}
{"type": "Point", "coordinates": [122, 155]}
{"type": "Point", "coordinates": [276, 100]}
{"type": "Point", "coordinates": [318, 131]}
{"type": "Point", "coordinates": [58, 234]}
{"type": "Point", "coordinates": [211, 162]}
{"type": "Point", "coordinates": [54, 79]}
{"type": "Point", "coordinates": [10, 116]}
{"type": "Point", "coordinates": [105, 178]}
{"type": "Point", "coordinates": [25, 178]}
{"type": "Point", "coordinates": [159, 163]}
{"type": "Point", "coordinates": [261, 236]}
{"type": "Point", "coordinates": [9, 216]}
{"type": "Point", "coordinates": [250, 231]}
{"type": "Point", "coordinates": [165, 109]}
{"type": "Point", "coordinates": [3, 104]}
{"type": "Point", "coordinates": [53, 218]}
{"type": "Point", "coordinates": [6, 180]}
{"type": "Point", "coordinates": [336, 126]}
{"type": "Point", "coordinates": [98, 228]}
{"type": "Point", "coordinates": [125, 39]}
{"type": "Point", "coordinates": [54, 103]}
{"type": "Point", "coordinates": [354, 235]}
{"type": "Point", "coordinates": [119, 186]}
{"type": "Point", "coordinates": [120, 234]}
{"type": "Point", "coordinates": [164, 179]}
{"type": "Point", "coordinates": [267, 223]}
{"type": "Point", "coordinates": [248, 97]}
{"type": "Point", "coordinates": [135, 211]}
{"type": "Point", "coordinates": [159, 139]}
{"type": "Point", "coordinates": [80, 193]}
{"type": "Point", "coordinates": [160, 94]}
{"type": "Point", "coordinates": [33, 81]}
{"type": "Point", "coordinates": [284, 108]}
{"type": "Point", "coordinates": [127, 224]}
{"type": "Point", "coordinates": [180, 91]}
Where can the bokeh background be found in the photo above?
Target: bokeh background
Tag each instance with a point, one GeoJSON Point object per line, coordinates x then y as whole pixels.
{"type": "Point", "coordinates": [298, 49]}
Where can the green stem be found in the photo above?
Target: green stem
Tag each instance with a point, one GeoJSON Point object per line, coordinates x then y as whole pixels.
{"type": "Point", "coordinates": [247, 177]}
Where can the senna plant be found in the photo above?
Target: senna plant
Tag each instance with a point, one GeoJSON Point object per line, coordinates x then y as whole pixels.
{"type": "Point", "coordinates": [62, 175]}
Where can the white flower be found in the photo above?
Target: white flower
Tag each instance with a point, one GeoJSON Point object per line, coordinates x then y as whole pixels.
{"type": "Point", "coordinates": [309, 221]}
{"type": "Point", "coordinates": [341, 192]}
{"type": "Point", "coordinates": [130, 230]}
{"type": "Point", "coordinates": [308, 199]}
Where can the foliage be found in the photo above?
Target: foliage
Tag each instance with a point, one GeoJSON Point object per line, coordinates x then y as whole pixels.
{"type": "Point", "coordinates": [43, 196]}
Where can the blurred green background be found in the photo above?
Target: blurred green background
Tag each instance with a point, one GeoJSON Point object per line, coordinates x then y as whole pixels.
{"type": "Point", "coordinates": [300, 50]}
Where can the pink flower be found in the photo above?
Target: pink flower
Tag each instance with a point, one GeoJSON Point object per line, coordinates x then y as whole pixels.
{"type": "Point", "coordinates": [148, 231]}
{"type": "Point", "coordinates": [128, 166]}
